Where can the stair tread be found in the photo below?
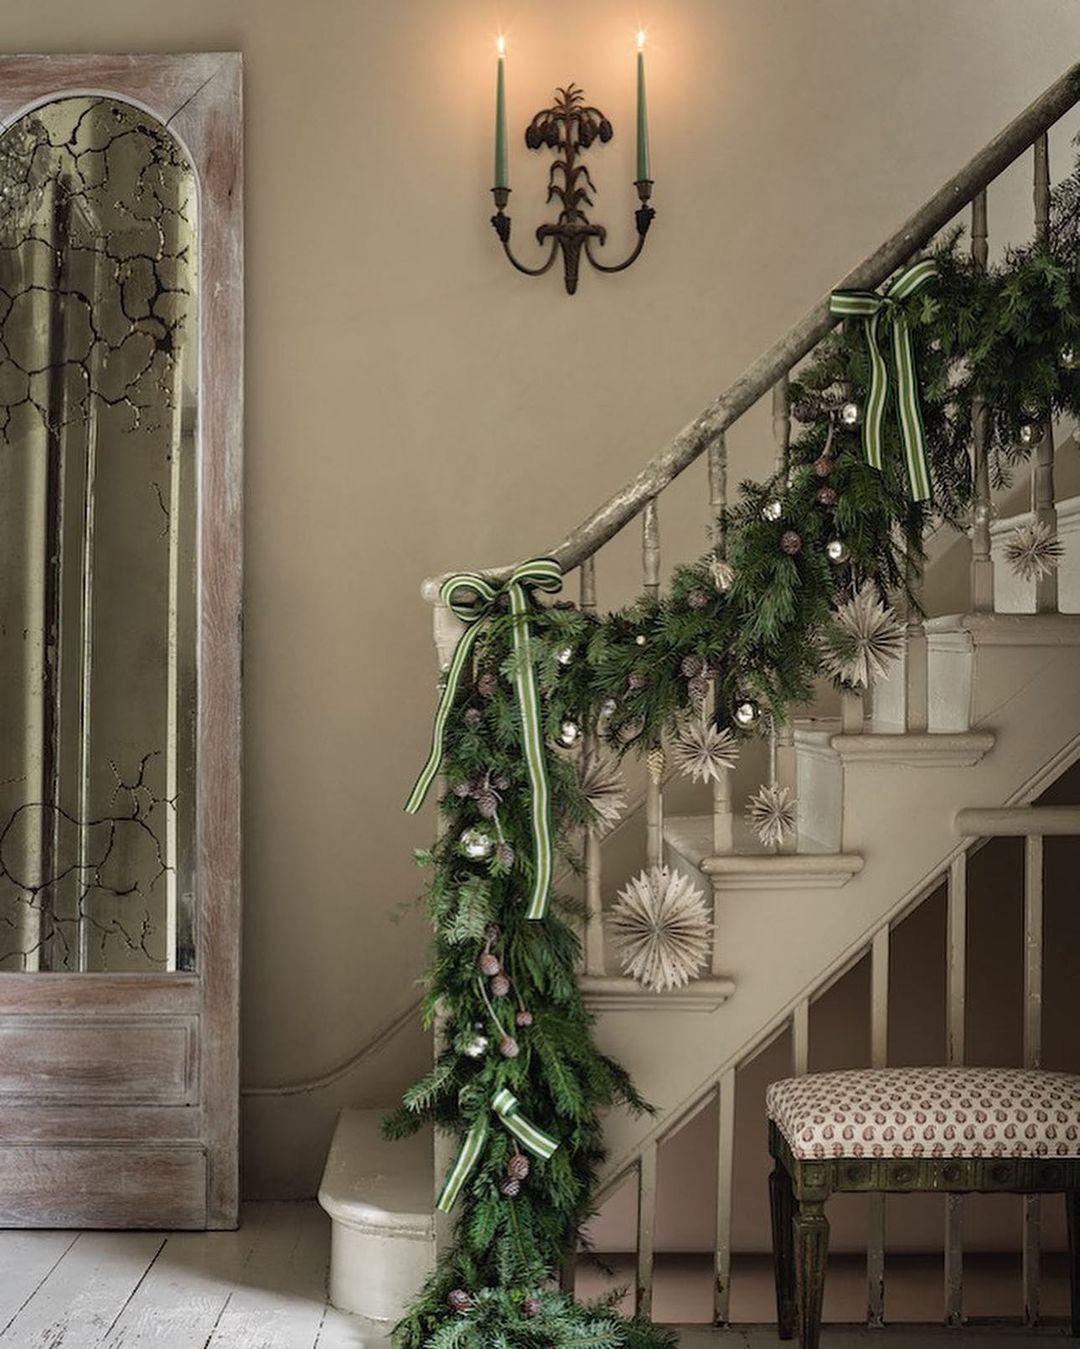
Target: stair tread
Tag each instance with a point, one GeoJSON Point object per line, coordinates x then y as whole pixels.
{"type": "Point", "coordinates": [368, 1181]}
{"type": "Point", "coordinates": [692, 837]}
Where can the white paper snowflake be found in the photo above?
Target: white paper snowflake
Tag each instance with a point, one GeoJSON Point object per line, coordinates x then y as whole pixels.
{"type": "Point", "coordinates": [603, 787]}
{"type": "Point", "coordinates": [866, 638]}
{"type": "Point", "coordinates": [771, 811]}
{"type": "Point", "coordinates": [661, 929]}
{"type": "Point", "coordinates": [701, 752]}
{"type": "Point", "coordinates": [1033, 551]}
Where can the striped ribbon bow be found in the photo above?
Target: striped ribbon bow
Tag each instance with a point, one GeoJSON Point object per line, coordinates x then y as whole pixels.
{"type": "Point", "coordinates": [505, 1105]}
{"type": "Point", "coordinates": [874, 308]}
{"type": "Point", "coordinates": [472, 599]}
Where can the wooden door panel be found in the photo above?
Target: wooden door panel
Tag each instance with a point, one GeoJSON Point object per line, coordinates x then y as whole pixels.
{"type": "Point", "coordinates": [99, 1186]}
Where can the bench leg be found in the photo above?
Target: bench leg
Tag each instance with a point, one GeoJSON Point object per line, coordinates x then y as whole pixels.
{"type": "Point", "coordinates": [782, 1206]}
{"type": "Point", "coordinates": [811, 1253]}
{"type": "Point", "coordinates": [1072, 1218]}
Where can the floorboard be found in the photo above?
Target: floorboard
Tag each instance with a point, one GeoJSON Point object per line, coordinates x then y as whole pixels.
{"type": "Point", "coordinates": [27, 1261]}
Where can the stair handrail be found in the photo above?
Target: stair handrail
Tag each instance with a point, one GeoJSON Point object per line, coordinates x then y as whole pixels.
{"type": "Point", "coordinates": [772, 365]}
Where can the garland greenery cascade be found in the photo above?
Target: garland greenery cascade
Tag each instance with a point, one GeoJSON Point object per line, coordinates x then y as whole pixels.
{"type": "Point", "coordinates": [753, 622]}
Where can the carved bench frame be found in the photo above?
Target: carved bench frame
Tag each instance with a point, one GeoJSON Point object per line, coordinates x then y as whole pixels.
{"type": "Point", "coordinates": [799, 1187]}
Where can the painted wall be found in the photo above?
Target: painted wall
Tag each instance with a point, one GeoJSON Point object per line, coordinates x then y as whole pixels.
{"type": "Point", "coordinates": [413, 404]}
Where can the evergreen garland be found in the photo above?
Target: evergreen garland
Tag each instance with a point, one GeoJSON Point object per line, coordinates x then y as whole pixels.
{"type": "Point", "coordinates": [1003, 336]}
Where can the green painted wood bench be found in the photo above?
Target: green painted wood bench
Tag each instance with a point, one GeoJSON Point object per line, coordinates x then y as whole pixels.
{"type": "Point", "coordinates": [904, 1131]}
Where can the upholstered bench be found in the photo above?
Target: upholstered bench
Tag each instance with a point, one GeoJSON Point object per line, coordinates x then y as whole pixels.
{"type": "Point", "coordinates": [903, 1130]}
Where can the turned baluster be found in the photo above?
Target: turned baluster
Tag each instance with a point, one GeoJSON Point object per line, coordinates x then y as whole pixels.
{"type": "Point", "coordinates": [982, 567]}
{"type": "Point", "coordinates": [654, 791]}
{"type": "Point", "coordinates": [594, 903]}
{"type": "Point", "coordinates": [1042, 469]}
{"type": "Point", "coordinates": [782, 739]}
{"type": "Point", "coordinates": [723, 823]}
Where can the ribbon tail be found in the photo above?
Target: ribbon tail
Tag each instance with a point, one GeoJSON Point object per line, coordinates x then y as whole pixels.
{"type": "Point", "coordinates": [535, 761]}
{"type": "Point", "coordinates": [442, 714]}
{"type": "Point", "coordinates": [463, 1165]}
{"type": "Point", "coordinates": [874, 417]}
{"type": "Point", "coordinates": [540, 1144]}
{"type": "Point", "coordinates": [909, 411]}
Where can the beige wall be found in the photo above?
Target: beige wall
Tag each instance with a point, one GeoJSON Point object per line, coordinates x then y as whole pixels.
{"type": "Point", "coordinates": [413, 404]}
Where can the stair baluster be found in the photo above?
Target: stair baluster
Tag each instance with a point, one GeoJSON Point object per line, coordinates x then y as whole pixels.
{"type": "Point", "coordinates": [916, 690]}
{"type": "Point", "coordinates": [982, 567]}
{"type": "Point", "coordinates": [646, 1229]}
{"type": "Point", "coordinates": [879, 1055]}
{"type": "Point", "coordinates": [723, 821]}
{"type": "Point", "coordinates": [725, 1178]}
{"type": "Point", "coordinates": [1042, 475]}
{"type": "Point", "coordinates": [594, 898]}
{"type": "Point", "coordinates": [1032, 1052]}
{"type": "Point", "coordinates": [782, 748]}
{"type": "Point", "coordinates": [654, 791]}
{"type": "Point", "coordinates": [955, 1000]}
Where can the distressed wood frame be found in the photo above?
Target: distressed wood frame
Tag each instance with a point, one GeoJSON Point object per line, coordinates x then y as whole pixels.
{"type": "Point", "coordinates": [197, 97]}
{"type": "Point", "coordinates": [798, 1189]}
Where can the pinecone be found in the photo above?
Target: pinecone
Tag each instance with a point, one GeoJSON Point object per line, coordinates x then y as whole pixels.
{"type": "Point", "coordinates": [459, 1300]}
{"type": "Point", "coordinates": [530, 1307]}
{"type": "Point", "coordinates": [510, 1187]}
{"type": "Point", "coordinates": [487, 803]}
{"type": "Point", "coordinates": [505, 853]}
{"type": "Point", "coordinates": [691, 666]}
{"type": "Point", "coordinates": [524, 1017]}
{"type": "Point", "coordinates": [823, 466]}
{"type": "Point", "coordinates": [637, 679]}
{"type": "Point", "coordinates": [487, 684]}
{"type": "Point", "coordinates": [489, 965]}
{"type": "Point", "coordinates": [697, 599]}
{"type": "Point", "coordinates": [518, 1166]}
{"type": "Point", "coordinates": [656, 762]}
{"type": "Point", "coordinates": [462, 790]}
{"type": "Point", "coordinates": [491, 934]}
{"type": "Point", "coordinates": [698, 689]}
{"type": "Point", "coordinates": [508, 1047]}
{"type": "Point", "coordinates": [790, 542]}
{"type": "Point", "coordinates": [826, 496]}
{"type": "Point", "coordinates": [473, 717]}
{"type": "Point", "coordinates": [500, 986]}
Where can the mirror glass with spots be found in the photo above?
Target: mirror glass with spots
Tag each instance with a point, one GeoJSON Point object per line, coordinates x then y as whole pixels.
{"type": "Point", "coordinates": [98, 458]}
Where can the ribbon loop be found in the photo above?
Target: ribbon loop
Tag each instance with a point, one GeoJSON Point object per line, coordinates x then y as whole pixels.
{"type": "Point", "coordinates": [505, 1104]}
{"type": "Point", "coordinates": [472, 599]}
{"type": "Point", "coordinates": [873, 309]}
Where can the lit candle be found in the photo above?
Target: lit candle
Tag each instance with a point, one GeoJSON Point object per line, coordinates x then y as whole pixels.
{"type": "Point", "coordinates": [502, 177]}
{"type": "Point", "coordinates": [644, 173]}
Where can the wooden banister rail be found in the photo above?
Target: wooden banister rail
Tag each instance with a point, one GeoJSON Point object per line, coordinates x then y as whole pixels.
{"type": "Point", "coordinates": [697, 436]}
{"type": "Point", "coordinates": [1018, 821]}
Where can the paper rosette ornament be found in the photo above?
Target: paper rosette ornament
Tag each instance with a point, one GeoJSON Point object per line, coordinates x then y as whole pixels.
{"type": "Point", "coordinates": [702, 752]}
{"type": "Point", "coordinates": [662, 929]}
{"type": "Point", "coordinates": [867, 637]}
{"type": "Point", "coordinates": [1033, 551]}
{"type": "Point", "coordinates": [772, 814]}
{"type": "Point", "coordinates": [603, 788]}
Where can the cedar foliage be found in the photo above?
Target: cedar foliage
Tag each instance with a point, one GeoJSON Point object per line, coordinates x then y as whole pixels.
{"type": "Point", "coordinates": [1002, 337]}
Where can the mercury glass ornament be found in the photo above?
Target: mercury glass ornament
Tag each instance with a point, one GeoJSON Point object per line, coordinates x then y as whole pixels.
{"type": "Point", "coordinates": [746, 714]}
{"type": "Point", "coordinates": [772, 510]}
{"type": "Point", "coordinates": [836, 550]}
{"type": "Point", "coordinates": [569, 734]}
{"type": "Point", "coordinates": [476, 844]}
{"type": "Point", "coordinates": [641, 639]}
{"type": "Point", "coordinates": [1032, 432]}
{"type": "Point", "coordinates": [564, 655]}
{"type": "Point", "coordinates": [477, 1047]}
{"type": "Point", "coordinates": [850, 415]}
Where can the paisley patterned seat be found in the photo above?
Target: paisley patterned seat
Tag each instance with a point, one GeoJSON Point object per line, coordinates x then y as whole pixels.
{"type": "Point", "coordinates": [928, 1112]}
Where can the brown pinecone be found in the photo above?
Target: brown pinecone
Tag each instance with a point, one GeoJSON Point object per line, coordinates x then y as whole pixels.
{"type": "Point", "coordinates": [518, 1166]}
{"type": "Point", "coordinates": [637, 679]}
{"type": "Point", "coordinates": [487, 803]}
{"type": "Point", "coordinates": [697, 599]}
{"type": "Point", "coordinates": [459, 1300]}
{"type": "Point", "coordinates": [510, 1187]}
{"type": "Point", "coordinates": [530, 1307]}
{"type": "Point", "coordinates": [823, 466]}
{"type": "Point", "coordinates": [473, 717]}
{"type": "Point", "coordinates": [691, 666]}
{"type": "Point", "coordinates": [508, 1047]}
{"type": "Point", "coordinates": [524, 1017]}
{"type": "Point", "coordinates": [826, 496]}
{"type": "Point", "coordinates": [790, 542]}
{"type": "Point", "coordinates": [489, 965]}
{"type": "Point", "coordinates": [500, 986]}
{"type": "Point", "coordinates": [487, 684]}
{"type": "Point", "coordinates": [505, 853]}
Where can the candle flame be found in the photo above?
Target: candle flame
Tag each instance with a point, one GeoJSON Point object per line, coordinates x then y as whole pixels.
{"type": "Point", "coordinates": [500, 46]}
{"type": "Point", "coordinates": [641, 39]}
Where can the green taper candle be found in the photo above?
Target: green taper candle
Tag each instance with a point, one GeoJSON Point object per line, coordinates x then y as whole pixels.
{"type": "Point", "coordinates": [644, 172]}
{"type": "Point", "coordinates": [502, 178]}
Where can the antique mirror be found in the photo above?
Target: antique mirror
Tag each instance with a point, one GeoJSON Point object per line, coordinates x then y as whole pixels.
{"type": "Point", "coordinates": [120, 397]}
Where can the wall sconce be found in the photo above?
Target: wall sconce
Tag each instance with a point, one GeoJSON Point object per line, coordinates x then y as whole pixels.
{"type": "Point", "coordinates": [569, 127]}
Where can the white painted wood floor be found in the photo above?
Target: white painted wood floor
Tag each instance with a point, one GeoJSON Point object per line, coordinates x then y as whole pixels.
{"type": "Point", "coordinates": [262, 1287]}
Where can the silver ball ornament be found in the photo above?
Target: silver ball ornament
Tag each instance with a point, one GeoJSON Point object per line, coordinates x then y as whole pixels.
{"type": "Point", "coordinates": [850, 415]}
{"type": "Point", "coordinates": [772, 510]}
{"type": "Point", "coordinates": [836, 550]}
{"type": "Point", "coordinates": [564, 655]}
{"type": "Point", "coordinates": [746, 714]}
{"type": "Point", "coordinates": [476, 844]}
{"type": "Point", "coordinates": [1069, 359]}
{"type": "Point", "coordinates": [569, 734]}
{"type": "Point", "coordinates": [1032, 432]}
{"type": "Point", "coordinates": [641, 639]}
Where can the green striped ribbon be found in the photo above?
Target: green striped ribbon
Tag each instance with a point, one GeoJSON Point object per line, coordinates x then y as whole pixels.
{"type": "Point", "coordinates": [505, 1104]}
{"type": "Point", "coordinates": [874, 308]}
{"type": "Point", "coordinates": [472, 599]}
